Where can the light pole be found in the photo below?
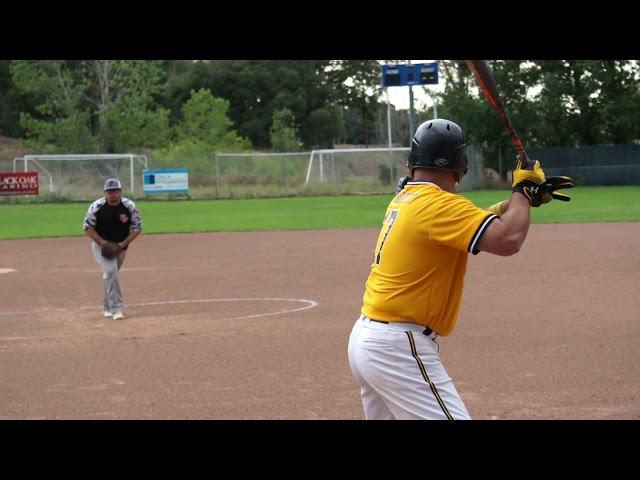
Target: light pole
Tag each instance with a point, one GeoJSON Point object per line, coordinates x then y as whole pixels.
{"type": "Point", "coordinates": [412, 114]}
{"type": "Point", "coordinates": [409, 75]}
{"type": "Point", "coordinates": [434, 101]}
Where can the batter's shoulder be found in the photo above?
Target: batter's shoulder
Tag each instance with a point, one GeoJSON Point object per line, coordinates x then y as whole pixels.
{"type": "Point", "coordinates": [455, 197]}
{"type": "Point", "coordinates": [454, 203]}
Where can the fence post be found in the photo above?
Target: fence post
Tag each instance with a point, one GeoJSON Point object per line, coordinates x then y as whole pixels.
{"type": "Point", "coordinates": [217, 174]}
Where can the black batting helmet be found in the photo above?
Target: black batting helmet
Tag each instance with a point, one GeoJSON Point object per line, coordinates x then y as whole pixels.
{"type": "Point", "coordinates": [439, 143]}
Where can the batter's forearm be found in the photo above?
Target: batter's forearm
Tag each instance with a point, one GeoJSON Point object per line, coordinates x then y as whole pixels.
{"type": "Point", "coordinates": [506, 234]}
{"type": "Point", "coordinates": [517, 217]}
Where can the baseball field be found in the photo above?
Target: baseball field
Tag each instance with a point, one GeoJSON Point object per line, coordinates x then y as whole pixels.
{"type": "Point", "coordinates": [242, 309]}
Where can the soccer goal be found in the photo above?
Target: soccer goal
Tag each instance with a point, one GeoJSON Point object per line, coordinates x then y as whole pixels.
{"type": "Point", "coordinates": [376, 170]}
{"type": "Point", "coordinates": [357, 169]}
{"type": "Point", "coordinates": [82, 175]}
{"type": "Point", "coordinates": [251, 174]}
{"type": "Point", "coordinates": [318, 172]}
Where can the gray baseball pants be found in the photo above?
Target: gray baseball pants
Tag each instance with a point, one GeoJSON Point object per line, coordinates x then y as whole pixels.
{"type": "Point", "coordinates": [112, 295]}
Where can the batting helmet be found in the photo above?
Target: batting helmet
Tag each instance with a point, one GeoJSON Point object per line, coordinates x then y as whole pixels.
{"type": "Point", "coordinates": [439, 143]}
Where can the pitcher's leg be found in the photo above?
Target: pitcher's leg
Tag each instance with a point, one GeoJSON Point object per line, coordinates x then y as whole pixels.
{"type": "Point", "coordinates": [121, 258]}
{"type": "Point", "coordinates": [105, 297]}
{"type": "Point", "coordinates": [112, 301]}
{"type": "Point", "coordinates": [114, 295]}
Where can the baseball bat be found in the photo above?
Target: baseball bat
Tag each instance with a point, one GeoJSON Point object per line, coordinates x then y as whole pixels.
{"type": "Point", "coordinates": [487, 84]}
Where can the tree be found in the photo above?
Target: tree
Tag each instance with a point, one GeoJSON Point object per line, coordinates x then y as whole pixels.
{"type": "Point", "coordinates": [205, 124]}
{"type": "Point", "coordinates": [283, 132]}
{"type": "Point", "coordinates": [587, 102]}
{"type": "Point", "coordinates": [182, 76]}
{"type": "Point", "coordinates": [12, 102]}
{"type": "Point", "coordinates": [325, 125]}
{"type": "Point", "coordinates": [256, 89]}
{"type": "Point", "coordinates": [203, 130]}
{"type": "Point", "coordinates": [204, 118]}
{"type": "Point", "coordinates": [64, 120]}
{"type": "Point", "coordinates": [89, 105]}
{"type": "Point", "coordinates": [355, 84]}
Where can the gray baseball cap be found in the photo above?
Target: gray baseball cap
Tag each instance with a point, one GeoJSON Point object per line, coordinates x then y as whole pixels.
{"type": "Point", "coordinates": [112, 184]}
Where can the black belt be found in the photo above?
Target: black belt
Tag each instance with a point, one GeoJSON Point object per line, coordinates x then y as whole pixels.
{"type": "Point", "coordinates": [427, 331]}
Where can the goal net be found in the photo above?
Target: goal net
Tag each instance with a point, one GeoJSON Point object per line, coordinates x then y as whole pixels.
{"type": "Point", "coordinates": [82, 176]}
{"type": "Point", "coordinates": [330, 171]}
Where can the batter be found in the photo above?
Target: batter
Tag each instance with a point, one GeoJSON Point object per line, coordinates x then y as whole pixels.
{"type": "Point", "coordinates": [414, 288]}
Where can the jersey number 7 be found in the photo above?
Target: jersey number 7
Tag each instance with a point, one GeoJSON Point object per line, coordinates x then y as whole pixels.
{"type": "Point", "coordinates": [389, 221]}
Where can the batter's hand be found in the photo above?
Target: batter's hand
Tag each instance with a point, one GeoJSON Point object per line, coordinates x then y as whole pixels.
{"type": "Point", "coordinates": [402, 181]}
{"type": "Point", "coordinates": [556, 183]}
{"type": "Point", "coordinates": [530, 182]}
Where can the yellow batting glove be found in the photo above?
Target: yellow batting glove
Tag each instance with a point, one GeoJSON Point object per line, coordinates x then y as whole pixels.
{"type": "Point", "coordinates": [497, 208]}
{"type": "Point", "coordinates": [535, 175]}
{"type": "Point", "coordinates": [530, 183]}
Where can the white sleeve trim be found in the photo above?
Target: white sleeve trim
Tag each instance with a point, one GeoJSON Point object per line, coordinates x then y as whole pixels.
{"type": "Point", "coordinates": [480, 231]}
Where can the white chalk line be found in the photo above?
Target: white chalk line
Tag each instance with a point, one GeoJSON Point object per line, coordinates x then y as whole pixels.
{"type": "Point", "coordinates": [57, 271]}
{"type": "Point", "coordinates": [43, 337]}
{"type": "Point", "coordinates": [6, 270]}
{"type": "Point", "coordinates": [310, 304]}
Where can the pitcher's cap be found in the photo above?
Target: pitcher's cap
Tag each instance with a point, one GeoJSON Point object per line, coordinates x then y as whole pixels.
{"type": "Point", "coordinates": [112, 184]}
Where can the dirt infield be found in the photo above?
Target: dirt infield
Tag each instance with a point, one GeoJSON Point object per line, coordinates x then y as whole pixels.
{"type": "Point", "coordinates": [255, 326]}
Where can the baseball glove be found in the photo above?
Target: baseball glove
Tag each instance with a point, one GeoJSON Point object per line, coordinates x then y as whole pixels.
{"type": "Point", "coordinates": [110, 250]}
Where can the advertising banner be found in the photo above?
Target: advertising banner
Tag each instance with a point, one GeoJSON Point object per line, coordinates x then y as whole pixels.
{"type": "Point", "coordinates": [23, 183]}
{"type": "Point", "coordinates": [165, 181]}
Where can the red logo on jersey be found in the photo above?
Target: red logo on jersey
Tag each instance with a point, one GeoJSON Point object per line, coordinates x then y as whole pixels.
{"type": "Point", "coordinates": [124, 218]}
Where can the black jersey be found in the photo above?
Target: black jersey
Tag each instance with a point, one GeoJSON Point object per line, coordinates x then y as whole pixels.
{"type": "Point", "coordinates": [113, 222]}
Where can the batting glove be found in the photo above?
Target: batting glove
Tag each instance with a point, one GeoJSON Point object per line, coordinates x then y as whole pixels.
{"type": "Point", "coordinates": [556, 183]}
{"type": "Point", "coordinates": [530, 182]}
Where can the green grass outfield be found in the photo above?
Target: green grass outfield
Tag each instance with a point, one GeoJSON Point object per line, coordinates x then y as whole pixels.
{"type": "Point", "coordinates": [589, 204]}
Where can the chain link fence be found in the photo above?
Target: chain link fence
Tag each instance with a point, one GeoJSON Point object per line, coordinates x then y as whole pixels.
{"type": "Point", "coordinates": [240, 175]}
{"type": "Point", "coordinates": [593, 164]}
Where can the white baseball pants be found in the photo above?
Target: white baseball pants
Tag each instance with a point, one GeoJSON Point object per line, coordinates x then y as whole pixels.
{"type": "Point", "coordinates": [400, 373]}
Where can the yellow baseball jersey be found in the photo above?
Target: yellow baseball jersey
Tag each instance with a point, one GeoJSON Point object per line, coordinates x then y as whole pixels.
{"type": "Point", "coordinates": [420, 257]}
